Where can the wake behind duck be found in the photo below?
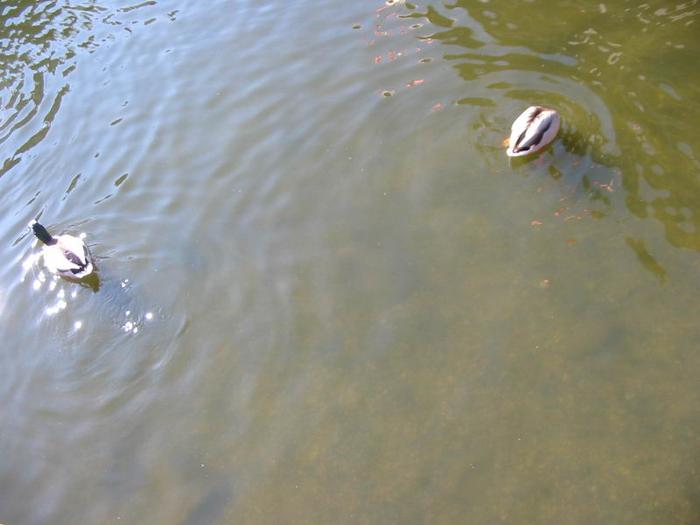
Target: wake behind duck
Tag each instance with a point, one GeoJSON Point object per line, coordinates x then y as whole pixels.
{"type": "Point", "coordinates": [68, 256]}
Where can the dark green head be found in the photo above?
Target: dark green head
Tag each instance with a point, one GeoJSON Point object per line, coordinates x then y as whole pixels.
{"type": "Point", "coordinates": [43, 234]}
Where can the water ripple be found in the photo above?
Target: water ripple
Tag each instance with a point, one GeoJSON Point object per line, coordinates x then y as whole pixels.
{"type": "Point", "coordinates": [40, 46]}
{"type": "Point", "coordinates": [600, 78]}
{"type": "Point", "coordinates": [308, 236]}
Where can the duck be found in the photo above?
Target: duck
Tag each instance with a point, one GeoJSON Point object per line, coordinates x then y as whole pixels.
{"type": "Point", "coordinates": [65, 254]}
{"type": "Point", "coordinates": [534, 129]}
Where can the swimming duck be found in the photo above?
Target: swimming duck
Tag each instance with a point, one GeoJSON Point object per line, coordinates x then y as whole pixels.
{"type": "Point", "coordinates": [532, 130]}
{"type": "Point", "coordinates": [64, 254]}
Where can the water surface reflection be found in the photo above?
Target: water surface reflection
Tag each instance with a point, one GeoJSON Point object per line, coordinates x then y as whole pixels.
{"type": "Point", "coordinates": [325, 295]}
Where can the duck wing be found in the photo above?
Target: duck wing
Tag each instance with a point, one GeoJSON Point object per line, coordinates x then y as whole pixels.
{"type": "Point", "coordinates": [522, 128]}
{"type": "Point", "coordinates": [532, 135]}
{"type": "Point", "coordinates": [76, 260]}
{"type": "Point", "coordinates": [73, 254]}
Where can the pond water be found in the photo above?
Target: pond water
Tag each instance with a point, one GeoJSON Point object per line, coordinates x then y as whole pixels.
{"type": "Point", "coordinates": [324, 293]}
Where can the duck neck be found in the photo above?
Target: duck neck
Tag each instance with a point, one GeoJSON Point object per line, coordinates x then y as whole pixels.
{"type": "Point", "coordinates": [43, 234]}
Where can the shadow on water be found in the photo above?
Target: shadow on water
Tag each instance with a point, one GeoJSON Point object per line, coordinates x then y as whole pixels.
{"type": "Point", "coordinates": [627, 104]}
{"type": "Point", "coordinates": [92, 282]}
{"type": "Point", "coordinates": [40, 43]}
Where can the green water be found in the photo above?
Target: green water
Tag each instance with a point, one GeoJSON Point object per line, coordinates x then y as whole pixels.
{"type": "Point", "coordinates": [325, 294]}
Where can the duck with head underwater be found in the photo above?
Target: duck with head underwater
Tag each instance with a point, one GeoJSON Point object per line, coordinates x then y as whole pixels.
{"type": "Point", "coordinates": [65, 254]}
{"type": "Point", "coordinates": [534, 129]}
